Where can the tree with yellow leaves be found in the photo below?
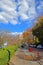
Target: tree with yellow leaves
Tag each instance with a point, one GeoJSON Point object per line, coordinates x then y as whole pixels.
{"type": "Point", "coordinates": [27, 36]}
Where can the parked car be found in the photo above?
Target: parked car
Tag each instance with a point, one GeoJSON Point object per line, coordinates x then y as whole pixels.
{"type": "Point", "coordinates": [40, 46]}
{"type": "Point", "coordinates": [23, 45]}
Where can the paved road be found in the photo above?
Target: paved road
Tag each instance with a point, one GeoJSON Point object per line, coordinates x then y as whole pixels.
{"type": "Point", "coordinates": [18, 61]}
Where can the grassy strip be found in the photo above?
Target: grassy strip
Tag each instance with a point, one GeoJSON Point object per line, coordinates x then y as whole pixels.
{"type": "Point", "coordinates": [3, 57]}
{"type": "Point", "coordinates": [12, 49]}
{"type": "Point", "coordinates": [4, 54]}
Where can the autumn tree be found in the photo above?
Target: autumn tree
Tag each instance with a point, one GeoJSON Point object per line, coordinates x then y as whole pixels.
{"type": "Point", "coordinates": [38, 29]}
{"type": "Point", "coordinates": [27, 36]}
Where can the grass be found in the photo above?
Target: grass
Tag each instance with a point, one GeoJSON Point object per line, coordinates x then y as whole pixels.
{"type": "Point", "coordinates": [4, 54]}
{"type": "Point", "coordinates": [3, 57]}
{"type": "Point", "coordinates": [12, 49]}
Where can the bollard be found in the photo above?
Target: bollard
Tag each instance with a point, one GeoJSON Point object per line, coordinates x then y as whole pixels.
{"type": "Point", "coordinates": [30, 49]}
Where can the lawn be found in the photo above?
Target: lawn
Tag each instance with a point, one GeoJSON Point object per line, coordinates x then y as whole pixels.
{"type": "Point", "coordinates": [4, 54]}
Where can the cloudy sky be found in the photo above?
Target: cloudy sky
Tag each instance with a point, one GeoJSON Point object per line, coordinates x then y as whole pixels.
{"type": "Point", "coordinates": [18, 15]}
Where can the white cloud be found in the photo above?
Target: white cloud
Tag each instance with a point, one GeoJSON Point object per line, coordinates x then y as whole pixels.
{"type": "Point", "coordinates": [40, 7]}
{"type": "Point", "coordinates": [8, 13]}
{"type": "Point", "coordinates": [3, 19]}
{"type": "Point", "coordinates": [15, 33]}
{"type": "Point", "coordinates": [14, 22]}
{"type": "Point", "coordinates": [26, 10]}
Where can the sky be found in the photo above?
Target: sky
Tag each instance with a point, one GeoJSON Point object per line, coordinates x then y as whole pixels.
{"type": "Point", "coordinates": [18, 15]}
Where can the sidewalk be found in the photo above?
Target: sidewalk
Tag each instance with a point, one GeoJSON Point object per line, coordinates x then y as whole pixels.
{"type": "Point", "coordinates": [15, 60]}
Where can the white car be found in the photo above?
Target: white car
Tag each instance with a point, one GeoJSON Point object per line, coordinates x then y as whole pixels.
{"type": "Point", "coordinates": [39, 46]}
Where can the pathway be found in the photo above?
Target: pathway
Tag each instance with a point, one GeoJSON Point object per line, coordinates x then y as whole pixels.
{"type": "Point", "coordinates": [15, 60]}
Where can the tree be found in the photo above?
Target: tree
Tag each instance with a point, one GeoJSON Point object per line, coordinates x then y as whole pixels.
{"type": "Point", "coordinates": [27, 36]}
{"type": "Point", "coordinates": [1, 41]}
{"type": "Point", "coordinates": [38, 29]}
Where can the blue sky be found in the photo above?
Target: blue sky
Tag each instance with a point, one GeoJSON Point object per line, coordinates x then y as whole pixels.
{"type": "Point", "coordinates": [18, 15]}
